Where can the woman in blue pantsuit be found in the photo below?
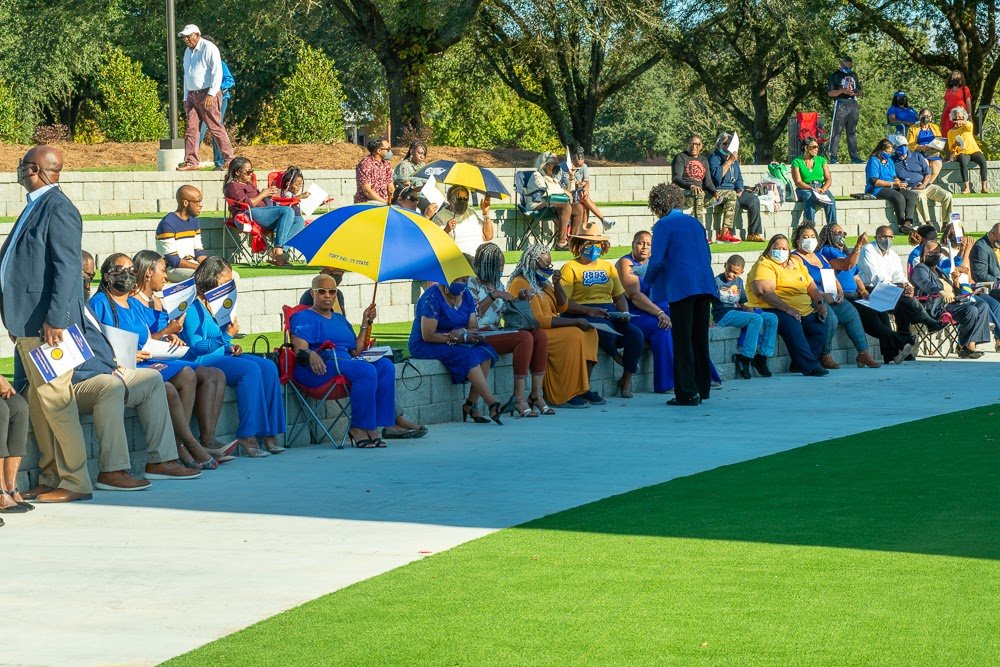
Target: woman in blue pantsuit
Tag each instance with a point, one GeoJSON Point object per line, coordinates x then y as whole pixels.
{"type": "Point", "coordinates": [258, 392]}
{"type": "Point", "coordinates": [373, 385]}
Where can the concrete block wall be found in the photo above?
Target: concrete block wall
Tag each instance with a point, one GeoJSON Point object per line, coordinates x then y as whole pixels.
{"type": "Point", "coordinates": [425, 392]}
{"type": "Point", "coordinates": [97, 192]}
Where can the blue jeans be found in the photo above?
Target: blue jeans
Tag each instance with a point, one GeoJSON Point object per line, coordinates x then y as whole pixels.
{"type": "Point", "coordinates": [809, 205]}
{"type": "Point", "coordinates": [217, 157]}
{"type": "Point", "coordinates": [759, 331]}
{"type": "Point", "coordinates": [258, 393]}
{"type": "Point", "coordinates": [279, 219]}
{"type": "Point", "coordinates": [845, 314]}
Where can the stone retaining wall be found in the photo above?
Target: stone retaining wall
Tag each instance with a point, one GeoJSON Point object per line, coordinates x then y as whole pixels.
{"type": "Point", "coordinates": [99, 192]}
{"type": "Point", "coordinates": [425, 392]}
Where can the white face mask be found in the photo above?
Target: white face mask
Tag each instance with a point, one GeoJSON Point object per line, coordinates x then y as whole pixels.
{"type": "Point", "coordinates": [808, 245]}
{"type": "Point", "coordinates": [780, 256]}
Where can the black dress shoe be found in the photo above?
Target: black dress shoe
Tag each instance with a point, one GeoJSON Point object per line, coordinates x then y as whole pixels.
{"type": "Point", "coordinates": [760, 365]}
{"type": "Point", "coordinates": [685, 401]}
{"type": "Point", "coordinates": [818, 372]}
{"type": "Point", "coordinates": [742, 366]}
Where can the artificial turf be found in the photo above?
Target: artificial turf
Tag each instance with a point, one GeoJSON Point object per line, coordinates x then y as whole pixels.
{"type": "Point", "coordinates": [878, 548]}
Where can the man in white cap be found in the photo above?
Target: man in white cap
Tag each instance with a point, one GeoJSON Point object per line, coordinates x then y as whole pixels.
{"type": "Point", "coordinates": [202, 97]}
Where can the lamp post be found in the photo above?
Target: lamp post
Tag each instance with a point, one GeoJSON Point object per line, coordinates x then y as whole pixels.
{"type": "Point", "coordinates": [172, 149]}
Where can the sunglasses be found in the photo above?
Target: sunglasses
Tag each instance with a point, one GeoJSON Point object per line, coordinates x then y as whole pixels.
{"type": "Point", "coordinates": [413, 198]}
{"type": "Point", "coordinates": [462, 199]}
{"type": "Point", "coordinates": [325, 291]}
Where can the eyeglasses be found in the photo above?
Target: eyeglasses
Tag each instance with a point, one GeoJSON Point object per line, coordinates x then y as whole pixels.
{"type": "Point", "coordinates": [464, 199]}
{"type": "Point", "coordinates": [244, 172]}
{"type": "Point", "coordinates": [88, 277]}
{"type": "Point", "coordinates": [812, 146]}
{"type": "Point", "coordinates": [413, 198]}
{"type": "Point", "coordinates": [695, 143]}
{"type": "Point", "coordinates": [325, 291]}
{"type": "Point", "coordinates": [122, 269]}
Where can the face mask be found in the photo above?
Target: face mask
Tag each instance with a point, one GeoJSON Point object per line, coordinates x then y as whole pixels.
{"type": "Point", "coordinates": [932, 260]}
{"type": "Point", "coordinates": [122, 282]}
{"type": "Point", "coordinates": [884, 155]}
{"type": "Point", "coordinates": [903, 102]}
{"type": "Point", "coordinates": [902, 151]}
{"type": "Point", "coordinates": [808, 245]}
{"type": "Point", "coordinates": [838, 239]}
{"type": "Point", "coordinates": [460, 207]}
{"type": "Point", "coordinates": [591, 252]}
{"type": "Point", "coordinates": [955, 83]}
{"type": "Point", "coordinates": [545, 272]}
{"type": "Point", "coordinates": [780, 256]}
{"type": "Point", "coordinates": [884, 244]}
{"type": "Point", "coordinates": [996, 244]}
{"type": "Point", "coordinates": [456, 288]}
{"type": "Point", "coordinates": [845, 69]}
{"type": "Point", "coordinates": [542, 277]}
{"type": "Point", "coordinates": [925, 119]}
{"type": "Point", "coordinates": [387, 155]}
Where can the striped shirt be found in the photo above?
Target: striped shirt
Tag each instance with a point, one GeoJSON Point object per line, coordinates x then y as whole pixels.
{"type": "Point", "coordinates": [178, 239]}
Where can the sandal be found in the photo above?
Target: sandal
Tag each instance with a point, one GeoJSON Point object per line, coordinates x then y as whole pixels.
{"type": "Point", "coordinates": [405, 434]}
{"type": "Point", "coordinates": [366, 443]}
{"type": "Point", "coordinates": [276, 449]}
{"type": "Point", "coordinates": [538, 403]}
{"type": "Point", "coordinates": [469, 411]}
{"type": "Point", "coordinates": [512, 406]}
{"type": "Point", "coordinates": [380, 443]}
{"type": "Point", "coordinates": [495, 412]}
{"type": "Point", "coordinates": [15, 492]}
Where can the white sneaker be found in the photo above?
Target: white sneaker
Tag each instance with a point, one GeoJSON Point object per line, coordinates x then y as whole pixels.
{"type": "Point", "coordinates": [608, 224]}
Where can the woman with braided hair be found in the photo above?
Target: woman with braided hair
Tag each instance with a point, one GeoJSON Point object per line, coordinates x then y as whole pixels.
{"type": "Point", "coordinates": [529, 348]}
{"type": "Point", "coordinates": [572, 341]}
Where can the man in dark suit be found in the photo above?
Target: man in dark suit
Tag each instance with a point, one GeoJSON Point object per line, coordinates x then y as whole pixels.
{"type": "Point", "coordinates": [985, 262]}
{"type": "Point", "coordinates": [680, 273]}
{"type": "Point", "coordinates": [40, 280]}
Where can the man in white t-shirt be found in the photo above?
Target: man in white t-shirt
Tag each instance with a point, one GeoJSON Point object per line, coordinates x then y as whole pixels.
{"type": "Point", "coordinates": [463, 223]}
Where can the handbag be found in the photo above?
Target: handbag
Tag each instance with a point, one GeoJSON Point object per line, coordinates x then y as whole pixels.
{"type": "Point", "coordinates": [518, 316]}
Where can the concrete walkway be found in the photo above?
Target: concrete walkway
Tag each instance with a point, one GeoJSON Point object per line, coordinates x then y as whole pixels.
{"type": "Point", "coordinates": [134, 579]}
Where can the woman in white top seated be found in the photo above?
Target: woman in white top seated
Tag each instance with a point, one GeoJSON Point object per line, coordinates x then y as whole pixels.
{"type": "Point", "coordinates": [463, 223]}
{"type": "Point", "coordinates": [544, 189]}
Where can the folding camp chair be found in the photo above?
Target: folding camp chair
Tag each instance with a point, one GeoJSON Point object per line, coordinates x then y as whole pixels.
{"type": "Point", "coordinates": [938, 343]}
{"type": "Point", "coordinates": [250, 241]}
{"type": "Point", "coordinates": [336, 391]}
{"type": "Point", "coordinates": [533, 218]}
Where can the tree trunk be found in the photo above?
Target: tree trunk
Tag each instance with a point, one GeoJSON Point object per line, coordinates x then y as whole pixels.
{"type": "Point", "coordinates": [583, 120]}
{"type": "Point", "coordinates": [763, 146]}
{"type": "Point", "coordinates": [405, 113]}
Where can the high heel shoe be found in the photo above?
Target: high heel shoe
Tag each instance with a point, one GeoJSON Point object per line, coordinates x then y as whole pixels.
{"type": "Point", "coordinates": [539, 403]}
{"type": "Point", "coordinates": [511, 407]}
{"type": "Point", "coordinates": [495, 412]}
{"type": "Point", "coordinates": [221, 452]}
{"type": "Point", "coordinates": [469, 412]}
{"type": "Point", "coordinates": [365, 443]}
{"type": "Point", "coordinates": [276, 449]}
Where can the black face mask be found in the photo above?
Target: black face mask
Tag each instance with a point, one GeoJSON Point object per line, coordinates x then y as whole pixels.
{"type": "Point", "coordinates": [460, 206]}
{"type": "Point", "coordinates": [932, 260]}
{"type": "Point", "coordinates": [122, 281]}
{"type": "Point", "coordinates": [955, 83]}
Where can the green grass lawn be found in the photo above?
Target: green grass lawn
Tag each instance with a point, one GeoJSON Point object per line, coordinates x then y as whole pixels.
{"type": "Point", "coordinates": [879, 548]}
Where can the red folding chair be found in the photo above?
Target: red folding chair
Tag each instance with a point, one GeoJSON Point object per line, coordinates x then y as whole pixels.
{"type": "Point", "coordinates": [250, 241]}
{"type": "Point", "coordinates": [311, 399]}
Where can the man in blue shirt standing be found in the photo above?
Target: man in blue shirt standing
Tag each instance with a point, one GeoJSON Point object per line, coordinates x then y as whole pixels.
{"type": "Point", "coordinates": [913, 168]}
{"type": "Point", "coordinates": [228, 83]}
{"type": "Point", "coordinates": [680, 273]}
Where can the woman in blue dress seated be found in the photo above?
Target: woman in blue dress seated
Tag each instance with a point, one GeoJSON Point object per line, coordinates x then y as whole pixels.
{"type": "Point", "coordinates": [653, 319]}
{"type": "Point", "coordinates": [445, 330]}
{"type": "Point", "coordinates": [115, 306]}
{"type": "Point", "coordinates": [373, 385]}
{"type": "Point", "coordinates": [255, 379]}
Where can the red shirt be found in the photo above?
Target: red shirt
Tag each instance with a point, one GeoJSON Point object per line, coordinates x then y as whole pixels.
{"type": "Point", "coordinates": [953, 97]}
{"type": "Point", "coordinates": [376, 174]}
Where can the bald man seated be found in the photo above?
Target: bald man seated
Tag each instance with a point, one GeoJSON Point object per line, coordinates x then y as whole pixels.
{"type": "Point", "coordinates": [178, 236]}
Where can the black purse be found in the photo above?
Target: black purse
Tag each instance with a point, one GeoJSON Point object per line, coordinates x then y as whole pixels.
{"type": "Point", "coordinates": [518, 315]}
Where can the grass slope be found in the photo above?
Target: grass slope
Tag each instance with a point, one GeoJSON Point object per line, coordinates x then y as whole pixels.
{"type": "Point", "coordinates": [879, 548]}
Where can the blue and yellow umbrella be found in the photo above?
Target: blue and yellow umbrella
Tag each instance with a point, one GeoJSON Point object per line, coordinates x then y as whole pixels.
{"type": "Point", "coordinates": [382, 242]}
{"type": "Point", "coordinates": [467, 175]}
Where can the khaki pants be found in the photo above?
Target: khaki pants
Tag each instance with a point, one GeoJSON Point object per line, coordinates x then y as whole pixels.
{"type": "Point", "coordinates": [104, 396]}
{"type": "Point", "coordinates": [55, 421]}
{"type": "Point", "coordinates": [934, 193]}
